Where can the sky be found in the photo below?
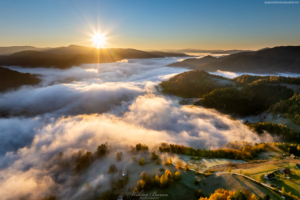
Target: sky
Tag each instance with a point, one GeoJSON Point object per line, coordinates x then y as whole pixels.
{"type": "Point", "coordinates": [150, 24]}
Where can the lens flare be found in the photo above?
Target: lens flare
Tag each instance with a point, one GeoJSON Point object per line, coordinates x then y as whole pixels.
{"type": "Point", "coordinates": [99, 40]}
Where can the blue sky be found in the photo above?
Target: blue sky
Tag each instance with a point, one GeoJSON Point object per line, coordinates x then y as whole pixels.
{"type": "Point", "coordinates": [150, 24]}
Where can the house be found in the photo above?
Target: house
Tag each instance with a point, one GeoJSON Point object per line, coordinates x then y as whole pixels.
{"type": "Point", "coordinates": [298, 166]}
{"type": "Point", "coordinates": [269, 176]}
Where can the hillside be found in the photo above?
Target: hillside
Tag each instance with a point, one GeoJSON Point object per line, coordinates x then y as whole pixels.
{"type": "Point", "coordinates": [252, 99]}
{"type": "Point", "coordinates": [250, 79]}
{"type": "Point", "coordinates": [194, 63]}
{"type": "Point", "coordinates": [271, 60]}
{"type": "Point", "coordinates": [66, 57]}
{"type": "Point", "coordinates": [290, 107]}
{"type": "Point", "coordinates": [194, 84]}
{"type": "Point", "coordinates": [12, 79]}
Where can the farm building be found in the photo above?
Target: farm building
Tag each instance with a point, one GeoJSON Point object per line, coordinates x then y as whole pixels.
{"type": "Point", "coordinates": [284, 171]}
{"type": "Point", "coordinates": [269, 176]}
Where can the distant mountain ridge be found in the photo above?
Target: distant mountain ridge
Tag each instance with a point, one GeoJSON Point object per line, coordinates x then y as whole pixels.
{"type": "Point", "coordinates": [15, 49]}
{"type": "Point", "coordinates": [189, 50]}
{"type": "Point", "coordinates": [269, 60]}
{"type": "Point", "coordinates": [66, 57]}
{"type": "Point", "coordinates": [195, 62]}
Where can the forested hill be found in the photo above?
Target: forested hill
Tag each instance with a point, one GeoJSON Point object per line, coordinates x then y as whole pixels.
{"type": "Point", "coordinates": [256, 95]}
{"type": "Point", "coordinates": [277, 59]}
{"type": "Point", "coordinates": [12, 79]}
{"type": "Point", "coordinates": [66, 57]}
{"type": "Point", "coordinates": [194, 84]}
{"type": "Point", "coordinates": [195, 63]}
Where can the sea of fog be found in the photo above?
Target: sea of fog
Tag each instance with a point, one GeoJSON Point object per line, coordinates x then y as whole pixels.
{"type": "Point", "coordinates": [229, 74]}
{"type": "Point", "coordinates": [82, 107]}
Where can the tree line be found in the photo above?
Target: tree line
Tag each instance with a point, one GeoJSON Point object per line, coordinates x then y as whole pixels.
{"type": "Point", "coordinates": [283, 131]}
{"type": "Point", "coordinates": [247, 152]}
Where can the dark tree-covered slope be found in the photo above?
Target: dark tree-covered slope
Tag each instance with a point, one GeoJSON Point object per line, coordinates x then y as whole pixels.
{"type": "Point", "coordinates": [272, 60]}
{"type": "Point", "coordinates": [12, 79]}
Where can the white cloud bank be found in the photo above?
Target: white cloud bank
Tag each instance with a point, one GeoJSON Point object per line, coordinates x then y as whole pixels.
{"type": "Point", "coordinates": [115, 103]}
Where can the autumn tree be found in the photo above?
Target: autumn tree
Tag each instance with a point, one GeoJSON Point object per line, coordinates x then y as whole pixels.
{"type": "Point", "coordinates": [157, 180]}
{"type": "Point", "coordinates": [154, 156]}
{"type": "Point", "coordinates": [164, 181]}
{"type": "Point", "coordinates": [118, 156]}
{"type": "Point", "coordinates": [229, 169]}
{"type": "Point", "coordinates": [141, 185]}
{"type": "Point", "coordinates": [168, 162]}
{"type": "Point", "coordinates": [142, 162]}
{"type": "Point", "coordinates": [177, 175]}
{"type": "Point", "coordinates": [168, 174]}
{"type": "Point", "coordinates": [283, 191]}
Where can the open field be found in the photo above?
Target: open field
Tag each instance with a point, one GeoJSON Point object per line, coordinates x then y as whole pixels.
{"type": "Point", "coordinates": [291, 185]}
{"type": "Point", "coordinates": [205, 163]}
{"type": "Point", "coordinates": [269, 155]}
{"type": "Point", "coordinates": [185, 188]}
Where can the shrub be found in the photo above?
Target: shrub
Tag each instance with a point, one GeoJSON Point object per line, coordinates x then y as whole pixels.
{"type": "Point", "coordinates": [199, 194]}
{"type": "Point", "coordinates": [229, 169]}
{"type": "Point", "coordinates": [141, 185]}
{"type": "Point", "coordinates": [157, 180]}
{"type": "Point", "coordinates": [282, 190]}
{"type": "Point", "coordinates": [253, 197]}
{"type": "Point", "coordinates": [84, 161]}
{"type": "Point", "coordinates": [102, 150]}
{"type": "Point", "coordinates": [239, 195]}
{"type": "Point", "coordinates": [208, 173]}
{"type": "Point", "coordinates": [144, 176]}
{"type": "Point", "coordinates": [187, 168]}
{"type": "Point", "coordinates": [157, 162]}
{"type": "Point", "coordinates": [154, 156]}
{"type": "Point", "coordinates": [164, 181]}
{"type": "Point", "coordinates": [169, 162]}
{"type": "Point", "coordinates": [141, 147]}
{"type": "Point", "coordinates": [261, 179]}
{"type": "Point", "coordinates": [177, 175]}
{"type": "Point", "coordinates": [247, 174]}
{"type": "Point", "coordinates": [112, 169]}
{"type": "Point", "coordinates": [196, 182]}
{"type": "Point", "coordinates": [119, 156]}
{"type": "Point", "coordinates": [142, 162]}
{"type": "Point", "coordinates": [266, 197]}
{"type": "Point", "coordinates": [168, 174]}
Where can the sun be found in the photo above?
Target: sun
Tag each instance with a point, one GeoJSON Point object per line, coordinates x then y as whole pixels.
{"type": "Point", "coordinates": [99, 40]}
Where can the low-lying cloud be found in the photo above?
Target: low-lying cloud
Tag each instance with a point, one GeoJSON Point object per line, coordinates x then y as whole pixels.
{"type": "Point", "coordinates": [229, 74]}
{"type": "Point", "coordinates": [116, 103]}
